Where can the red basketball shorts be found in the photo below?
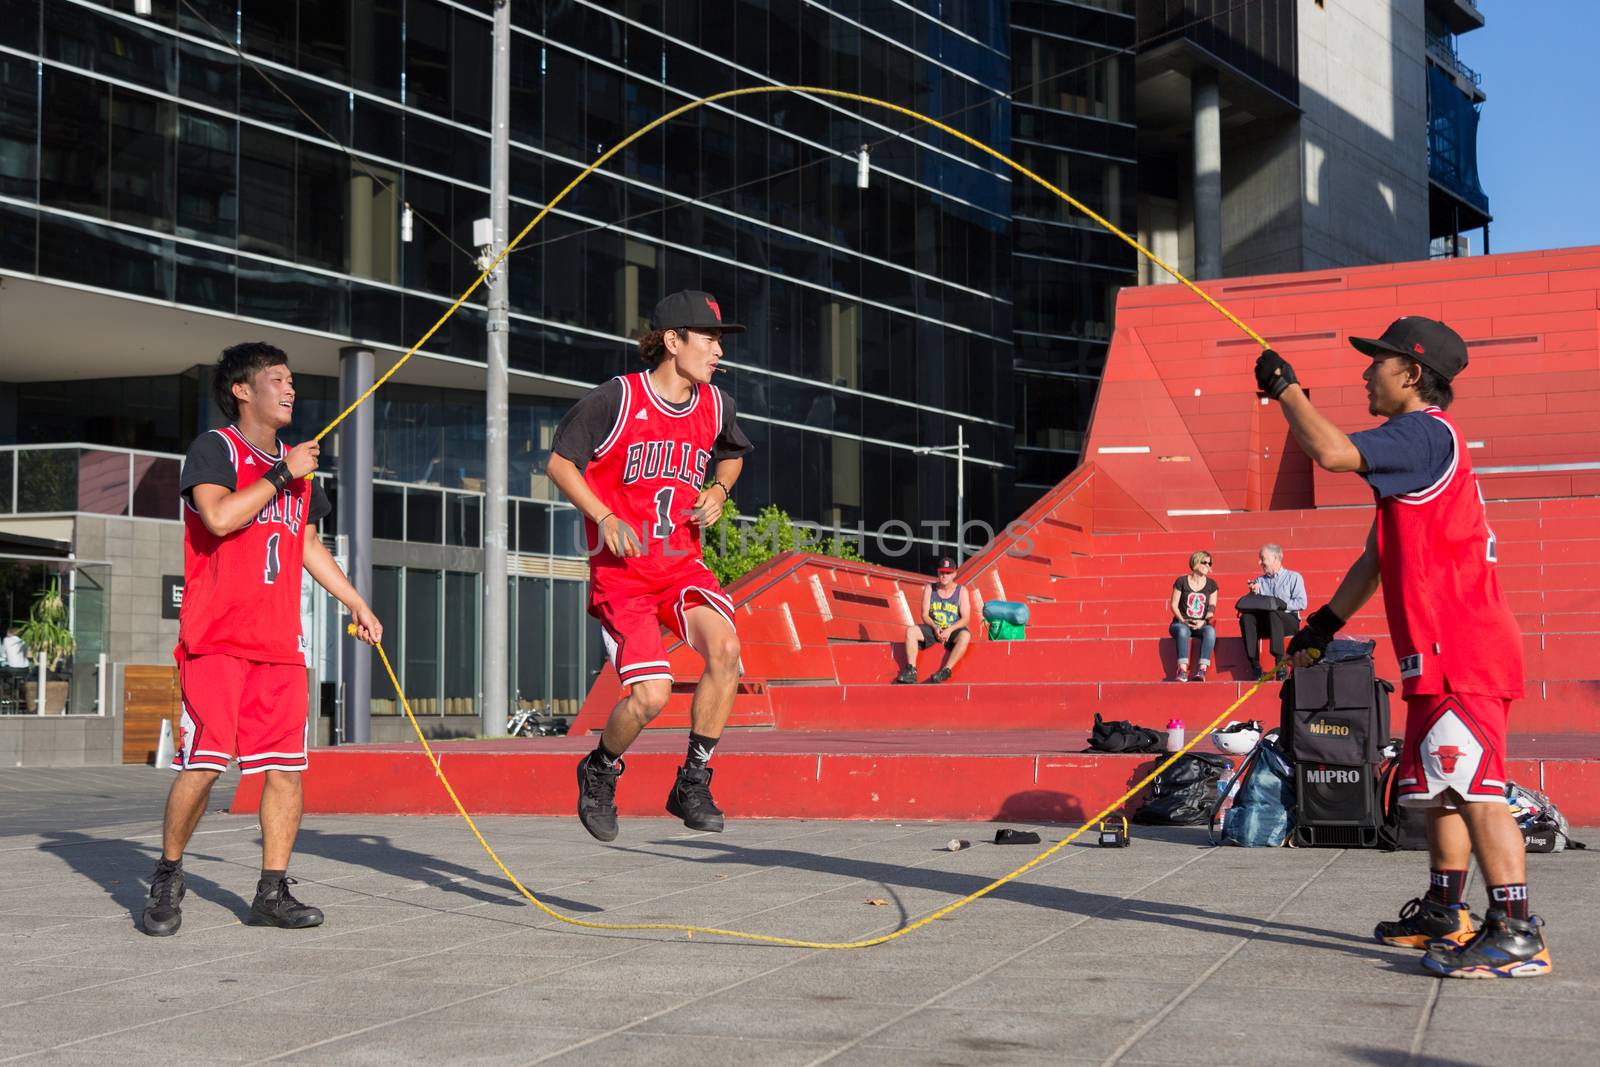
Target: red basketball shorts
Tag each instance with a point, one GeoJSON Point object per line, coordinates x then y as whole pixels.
{"type": "Point", "coordinates": [236, 707]}
{"type": "Point", "coordinates": [631, 611]}
{"type": "Point", "coordinates": [1454, 750]}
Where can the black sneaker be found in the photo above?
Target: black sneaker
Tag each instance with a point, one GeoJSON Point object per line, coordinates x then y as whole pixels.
{"type": "Point", "coordinates": [907, 677]}
{"type": "Point", "coordinates": [164, 914]}
{"type": "Point", "coordinates": [690, 800]}
{"type": "Point", "coordinates": [597, 798]}
{"type": "Point", "coordinates": [276, 906]}
{"type": "Point", "coordinates": [940, 675]}
{"type": "Point", "coordinates": [1504, 948]}
{"type": "Point", "coordinates": [1422, 921]}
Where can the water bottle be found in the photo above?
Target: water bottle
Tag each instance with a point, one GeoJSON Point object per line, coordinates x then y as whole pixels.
{"type": "Point", "coordinates": [1174, 735]}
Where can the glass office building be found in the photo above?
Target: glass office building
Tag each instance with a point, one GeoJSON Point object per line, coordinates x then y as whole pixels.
{"type": "Point", "coordinates": [160, 196]}
{"type": "Point", "coordinates": [1072, 123]}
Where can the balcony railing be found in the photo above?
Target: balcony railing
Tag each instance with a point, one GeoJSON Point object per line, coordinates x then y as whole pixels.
{"type": "Point", "coordinates": [77, 478]}
{"type": "Point", "coordinates": [1443, 48]}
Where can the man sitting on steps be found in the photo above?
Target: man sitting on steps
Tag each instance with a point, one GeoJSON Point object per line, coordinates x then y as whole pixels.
{"type": "Point", "coordinates": [944, 621]}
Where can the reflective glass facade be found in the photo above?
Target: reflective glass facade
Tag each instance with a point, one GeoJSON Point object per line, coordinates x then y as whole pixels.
{"type": "Point", "coordinates": [1073, 124]}
{"type": "Point", "coordinates": [142, 156]}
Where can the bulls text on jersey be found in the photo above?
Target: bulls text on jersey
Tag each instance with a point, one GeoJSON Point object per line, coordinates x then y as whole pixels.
{"type": "Point", "coordinates": [648, 460]}
{"type": "Point", "coordinates": [286, 509]}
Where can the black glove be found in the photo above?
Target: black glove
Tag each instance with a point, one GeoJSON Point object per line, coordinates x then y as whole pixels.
{"type": "Point", "coordinates": [1273, 374]}
{"type": "Point", "coordinates": [1317, 632]}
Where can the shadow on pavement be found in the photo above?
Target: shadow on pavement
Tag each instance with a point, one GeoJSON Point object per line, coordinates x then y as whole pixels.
{"type": "Point", "coordinates": [379, 853]}
{"type": "Point", "coordinates": [1197, 918]}
{"type": "Point", "coordinates": [123, 868]}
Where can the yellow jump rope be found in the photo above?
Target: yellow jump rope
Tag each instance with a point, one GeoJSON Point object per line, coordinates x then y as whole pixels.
{"type": "Point", "coordinates": [741, 935]}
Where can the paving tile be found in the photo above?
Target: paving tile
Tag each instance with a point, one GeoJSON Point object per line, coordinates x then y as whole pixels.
{"type": "Point", "coordinates": [427, 956]}
{"type": "Point", "coordinates": [668, 1050]}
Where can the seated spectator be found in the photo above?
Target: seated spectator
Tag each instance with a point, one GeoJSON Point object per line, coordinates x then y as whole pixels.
{"type": "Point", "coordinates": [944, 622]}
{"type": "Point", "coordinates": [1279, 581]}
{"type": "Point", "coordinates": [15, 652]}
{"type": "Point", "coordinates": [1194, 610]}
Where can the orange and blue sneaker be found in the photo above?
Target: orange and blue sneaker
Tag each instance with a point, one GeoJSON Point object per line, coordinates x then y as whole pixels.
{"type": "Point", "coordinates": [1504, 948]}
{"type": "Point", "coordinates": [1423, 921]}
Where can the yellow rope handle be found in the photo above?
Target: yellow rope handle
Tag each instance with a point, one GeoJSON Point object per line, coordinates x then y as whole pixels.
{"type": "Point", "coordinates": [771, 939]}
{"type": "Point", "coordinates": [814, 91]}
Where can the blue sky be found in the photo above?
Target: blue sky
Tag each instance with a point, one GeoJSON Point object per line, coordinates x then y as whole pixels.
{"type": "Point", "coordinates": [1538, 151]}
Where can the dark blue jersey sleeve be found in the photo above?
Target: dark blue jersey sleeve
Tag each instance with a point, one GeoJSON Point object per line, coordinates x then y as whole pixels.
{"type": "Point", "coordinates": [1406, 454]}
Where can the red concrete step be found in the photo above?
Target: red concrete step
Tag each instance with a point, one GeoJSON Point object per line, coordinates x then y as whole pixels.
{"type": "Point", "coordinates": [959, 705]}
{"type": "Point", "coordinates": [1015, 776]}
{"type": "Point", "coordinates": [1554, 657]}
{"type": "Point", "coordinates": [1551, 707]}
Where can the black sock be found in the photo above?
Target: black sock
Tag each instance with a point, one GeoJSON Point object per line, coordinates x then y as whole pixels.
{"type": "Point", "coordinates": [1446, 887]}
{"type": "Point", "coordinates": [700, 749]}
{"type": "Point", "coordinates": [166, 866]}
{"type": "Point", "coordinates": [272, 877]}
{"type": "Point", "coordinates": [605, 757]}
{"type": "Point", "coordinates": [1511, 899]}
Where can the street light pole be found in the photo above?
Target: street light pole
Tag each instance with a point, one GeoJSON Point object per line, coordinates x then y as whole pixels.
{"type": "Point", "coordinates": [959, 450]}
{"type": "Point", "coordinates": [961, 491]}
{"type": "Point", "coordinates": [496, 594]}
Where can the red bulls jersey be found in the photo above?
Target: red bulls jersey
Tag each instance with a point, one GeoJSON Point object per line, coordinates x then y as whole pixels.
{"type": "Point", "coordinates": [241, 593]}
{"type": "Point", "coordinates": [1453, 630]}
{"type": "Point", "coordinates": [649, 470]}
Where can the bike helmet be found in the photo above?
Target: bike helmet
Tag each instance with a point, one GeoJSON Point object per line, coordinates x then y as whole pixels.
{"type": "Point", "coordinates": [1237, 738]}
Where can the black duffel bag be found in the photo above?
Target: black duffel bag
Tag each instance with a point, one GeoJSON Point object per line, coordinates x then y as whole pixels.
{"type": "Point", "coordinates": [1185, 793]}
{"type": "Point", "coordinates": [1260, 602]}
{"type": "Point", "coordinates": [1121, 735]}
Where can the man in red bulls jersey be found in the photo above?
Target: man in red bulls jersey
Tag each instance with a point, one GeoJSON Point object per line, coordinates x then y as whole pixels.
{"type": "Point", "coordinates": [1433, 553]}
{"type": "Point", "coordinates": [650, 458]}
{"type": "Point", "coordinates": [250, 519]}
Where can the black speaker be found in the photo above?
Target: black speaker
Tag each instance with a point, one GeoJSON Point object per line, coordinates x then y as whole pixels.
{"type": "Point", "coordinates": [1337, 806]}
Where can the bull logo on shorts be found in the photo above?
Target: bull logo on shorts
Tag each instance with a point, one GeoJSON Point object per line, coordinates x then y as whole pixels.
{"type": "Point", "coordinates": [1447, 755]}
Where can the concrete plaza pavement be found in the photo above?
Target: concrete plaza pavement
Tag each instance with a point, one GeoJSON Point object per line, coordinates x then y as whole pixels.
{"type": "Point", "coordinates": [1168, 952]}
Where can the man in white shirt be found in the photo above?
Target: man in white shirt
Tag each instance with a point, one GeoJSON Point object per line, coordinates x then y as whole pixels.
{"type": "Point", "coordinates": [16, 653]}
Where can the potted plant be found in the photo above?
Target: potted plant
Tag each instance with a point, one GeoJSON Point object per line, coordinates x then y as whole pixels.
{"type": "Point", "coordinates": [50, 641]}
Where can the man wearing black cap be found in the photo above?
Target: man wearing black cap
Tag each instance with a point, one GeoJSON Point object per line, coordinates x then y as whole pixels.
{"type": "Point", "coordinates": [944, 622]}
{"type": "Point", "coordinates": [650, 458]}
{"type": "Point", "coordinates": [1460, 652]}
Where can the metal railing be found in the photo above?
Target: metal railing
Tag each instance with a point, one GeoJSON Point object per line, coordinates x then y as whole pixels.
{"type": "Point", "coordinates": [1443, 48]}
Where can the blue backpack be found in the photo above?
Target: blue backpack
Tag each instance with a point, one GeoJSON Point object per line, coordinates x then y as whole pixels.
{"type": "Point", "coordinates": [1262, 815]}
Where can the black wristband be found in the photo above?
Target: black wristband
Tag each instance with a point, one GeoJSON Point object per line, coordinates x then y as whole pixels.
{"type": "Point", "coordinates": [278, 474]}
{"type": "Point", "coordinates": [727, 495]}
{"type": "Point", "coordinates": [1325, 621]}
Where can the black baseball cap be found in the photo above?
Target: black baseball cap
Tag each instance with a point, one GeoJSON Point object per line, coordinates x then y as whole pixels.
{"type": "Point", "coordinates": [691, 310]}
{"type": "Point", "coordinates": [946, 564]}
{"type": "Point", "coordinates": [1429, 342]}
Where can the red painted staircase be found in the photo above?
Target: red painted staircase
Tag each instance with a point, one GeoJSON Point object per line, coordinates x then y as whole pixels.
{"type": "Point", "coordinates": [1182, 455]}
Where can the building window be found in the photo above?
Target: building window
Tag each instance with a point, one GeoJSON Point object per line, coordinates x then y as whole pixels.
{"type": "Point", "coordinates": [461, 643]}
{"type": "Point", "coordinates": [531, 634]}
{"type": "Point", "coordinates": [386, 605]}
{"type": "Point", "coordinates": [423, 619]}
{"type": "Point", "coordinates": [208, 176]}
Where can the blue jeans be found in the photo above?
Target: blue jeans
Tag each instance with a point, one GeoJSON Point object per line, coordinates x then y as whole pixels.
{"type": "Point", "coordinates": [1181, 634]}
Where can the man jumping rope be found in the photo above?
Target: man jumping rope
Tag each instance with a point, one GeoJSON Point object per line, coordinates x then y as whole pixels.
{"type": "Point", "coordinates": [249, 525]}
{"type": "Point", "coordinates": [633, 455]}
{"type": "Point", "coordinates": [1459, 648]}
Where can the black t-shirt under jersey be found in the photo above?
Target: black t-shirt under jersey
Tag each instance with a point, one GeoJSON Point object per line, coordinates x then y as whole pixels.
{"type": "Point", "coordinates": [588, 422]}
{"type": "Point", "coordinates": [208, 463]}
